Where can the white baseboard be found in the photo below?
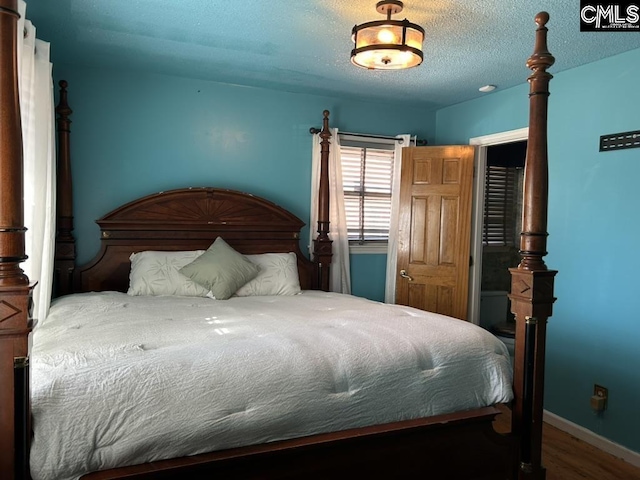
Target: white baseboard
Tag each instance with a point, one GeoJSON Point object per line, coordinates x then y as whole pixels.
{"type": "Point", "coordinates": [592, 438]}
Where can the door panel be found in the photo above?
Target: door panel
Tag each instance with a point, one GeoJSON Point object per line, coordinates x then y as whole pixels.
{"type": "Point", "coordinates": [435, 228]}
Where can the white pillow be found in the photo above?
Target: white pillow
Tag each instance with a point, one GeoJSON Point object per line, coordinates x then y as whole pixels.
{"type": "Point", "coordinates": [278, 275]}
{"type": "Point", "coordinates": [156, 273]}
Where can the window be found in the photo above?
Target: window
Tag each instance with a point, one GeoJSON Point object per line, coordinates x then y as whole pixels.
{"type": "Point", "coordinates": [503, 192]}
{"type": "Point", "coordinates": [499, 208]}
{"type": "Point", "coordinates": [502, 205]}
{"type": "Point", "coordinates": [367, 176]}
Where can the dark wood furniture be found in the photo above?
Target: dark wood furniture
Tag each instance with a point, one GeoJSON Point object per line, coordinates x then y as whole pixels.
{"type": "Point", "coordinates": [15, 291]}
{"type": "Point", "coordinates": [461, 445]}
{"type": "Point", "coordinates": [191, 219]}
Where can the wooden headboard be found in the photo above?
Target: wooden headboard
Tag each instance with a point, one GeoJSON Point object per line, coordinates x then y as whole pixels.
{"type": "Point", "coordinates": [190, 219]}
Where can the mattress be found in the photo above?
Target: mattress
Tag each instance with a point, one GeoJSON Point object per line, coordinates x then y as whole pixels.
{"type": "Point", "coordinates": [120, 380]}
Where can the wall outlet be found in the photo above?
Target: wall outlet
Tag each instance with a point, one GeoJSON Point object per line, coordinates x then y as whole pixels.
{"type": "Point", "coordinates": [599, 398]}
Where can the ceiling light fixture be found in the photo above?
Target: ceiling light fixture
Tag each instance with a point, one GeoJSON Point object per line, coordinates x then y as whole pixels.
{"type": "Point", "coordinates": [487, 88]}
{"type": "Point", "coordinates": [387, 44]}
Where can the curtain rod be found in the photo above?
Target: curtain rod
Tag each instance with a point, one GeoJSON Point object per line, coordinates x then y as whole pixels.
{"type": "Point", "coordinates": [419, 142]}
{"type": "Point", "coordinates": [313, 130]}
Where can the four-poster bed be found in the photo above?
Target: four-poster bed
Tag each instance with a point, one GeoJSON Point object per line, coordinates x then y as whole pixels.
{"type": "Point", "coordinates": [454, 445]}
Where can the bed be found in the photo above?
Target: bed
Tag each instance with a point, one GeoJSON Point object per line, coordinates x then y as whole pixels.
{"type": "Point", "coordinates": [450, 441]}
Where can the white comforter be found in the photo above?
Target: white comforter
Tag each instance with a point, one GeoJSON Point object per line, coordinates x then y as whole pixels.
{"type": "Point", "coordinates": [120, 380]}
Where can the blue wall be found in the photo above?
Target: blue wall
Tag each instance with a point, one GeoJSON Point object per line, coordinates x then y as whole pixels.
{"type": "Point", "coordinates": [594, 333]}
{"type": "Point", "coordinates": [134, 134]}
{"type": "Point", "coordinates": [368, 275]}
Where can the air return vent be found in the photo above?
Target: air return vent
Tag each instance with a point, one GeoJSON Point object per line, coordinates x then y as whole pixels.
{"type": "Point", "coordinates": [618, 141]}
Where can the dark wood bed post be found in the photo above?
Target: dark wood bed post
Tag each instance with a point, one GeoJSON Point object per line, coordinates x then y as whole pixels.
{"type": "Point", "coordinates": [65, 253]}
{"type": "Point", "coordinates": [322, 244]}
{"type": "Point", "coordinates": [531, 282]}
{"type": "Point", "coordinates": [15, 291]}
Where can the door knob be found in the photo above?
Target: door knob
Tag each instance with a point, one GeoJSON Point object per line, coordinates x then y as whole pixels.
{"type": "Point", "coordinates": [404, 274]}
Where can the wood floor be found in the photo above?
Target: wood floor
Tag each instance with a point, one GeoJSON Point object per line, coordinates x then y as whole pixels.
{"type": "Point", "coordinates": [567, 458]}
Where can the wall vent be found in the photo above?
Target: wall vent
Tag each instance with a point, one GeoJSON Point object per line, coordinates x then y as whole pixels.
{"type": "Point", "coordinates": [618, 141]}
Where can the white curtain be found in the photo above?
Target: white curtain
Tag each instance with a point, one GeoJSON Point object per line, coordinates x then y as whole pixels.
{"type": "Point", "coordinates": [340, 272]}
{"type": "Point", "coordinates": [392, 250]}
{"type": "Point", "coordinates": [36, 105]}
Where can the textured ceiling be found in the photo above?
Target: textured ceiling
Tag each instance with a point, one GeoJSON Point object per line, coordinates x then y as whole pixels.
{"type": "Point", "coordinates": [304, 45]}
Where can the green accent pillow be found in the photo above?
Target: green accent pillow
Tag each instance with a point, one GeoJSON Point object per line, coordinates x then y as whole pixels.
{"type": "Point", "coordinates": [220, 269]}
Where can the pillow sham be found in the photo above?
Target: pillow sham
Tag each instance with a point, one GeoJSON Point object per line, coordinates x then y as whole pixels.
{"type": "Point", "coordinates": [156, 273]}
{"type": "Point", "coordinates": [220, 269]}
{"type": "Point", "coordinates": [278, 275]}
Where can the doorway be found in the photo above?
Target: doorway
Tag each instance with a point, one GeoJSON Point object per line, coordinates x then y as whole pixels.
{"type": "Point", "coordinates": [496, 259]}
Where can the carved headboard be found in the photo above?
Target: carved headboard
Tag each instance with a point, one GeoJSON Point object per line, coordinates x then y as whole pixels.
{"type": "Point", "coordinates": [190, 219]}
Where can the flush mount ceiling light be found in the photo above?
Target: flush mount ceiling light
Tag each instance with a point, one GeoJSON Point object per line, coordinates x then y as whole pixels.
{"type": "Point", "coordinates": [387, 44]}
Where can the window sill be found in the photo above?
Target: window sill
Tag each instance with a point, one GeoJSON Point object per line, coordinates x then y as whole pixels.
{"type": "Point", "coordinates": [368, 248]}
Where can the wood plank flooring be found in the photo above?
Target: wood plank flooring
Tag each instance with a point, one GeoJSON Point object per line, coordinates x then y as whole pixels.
{"type": "Point", "coordinates": [567, 458]}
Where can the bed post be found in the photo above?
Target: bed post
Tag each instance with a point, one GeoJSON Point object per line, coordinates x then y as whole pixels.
{"type": "Point", "coordinates": [531, 282]}
{"type": "Point", "coordinates": [15, 291]}
{"type": "Point", "coordinates": [322, 244]}
{"type": "Point", "coordinates": [65, 253]}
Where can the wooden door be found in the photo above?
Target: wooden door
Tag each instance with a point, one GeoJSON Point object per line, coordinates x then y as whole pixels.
{"type": "Point", "coordinates": [435, 229]}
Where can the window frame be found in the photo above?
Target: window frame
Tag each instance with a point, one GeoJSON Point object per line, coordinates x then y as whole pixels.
{"type": "Point", "coordinates": [377, 143]}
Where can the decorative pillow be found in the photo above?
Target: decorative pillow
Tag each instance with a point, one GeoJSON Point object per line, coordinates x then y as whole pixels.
{"type": "Point", "coordinates": [220, 269]}
{"type": "Point", "coordinates": [278, 275]}
{"type": "Point", "coordinates": [156, 273]}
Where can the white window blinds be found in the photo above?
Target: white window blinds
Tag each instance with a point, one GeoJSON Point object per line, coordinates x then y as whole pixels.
{"type": "Point", "coordinates": [367, 174]}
